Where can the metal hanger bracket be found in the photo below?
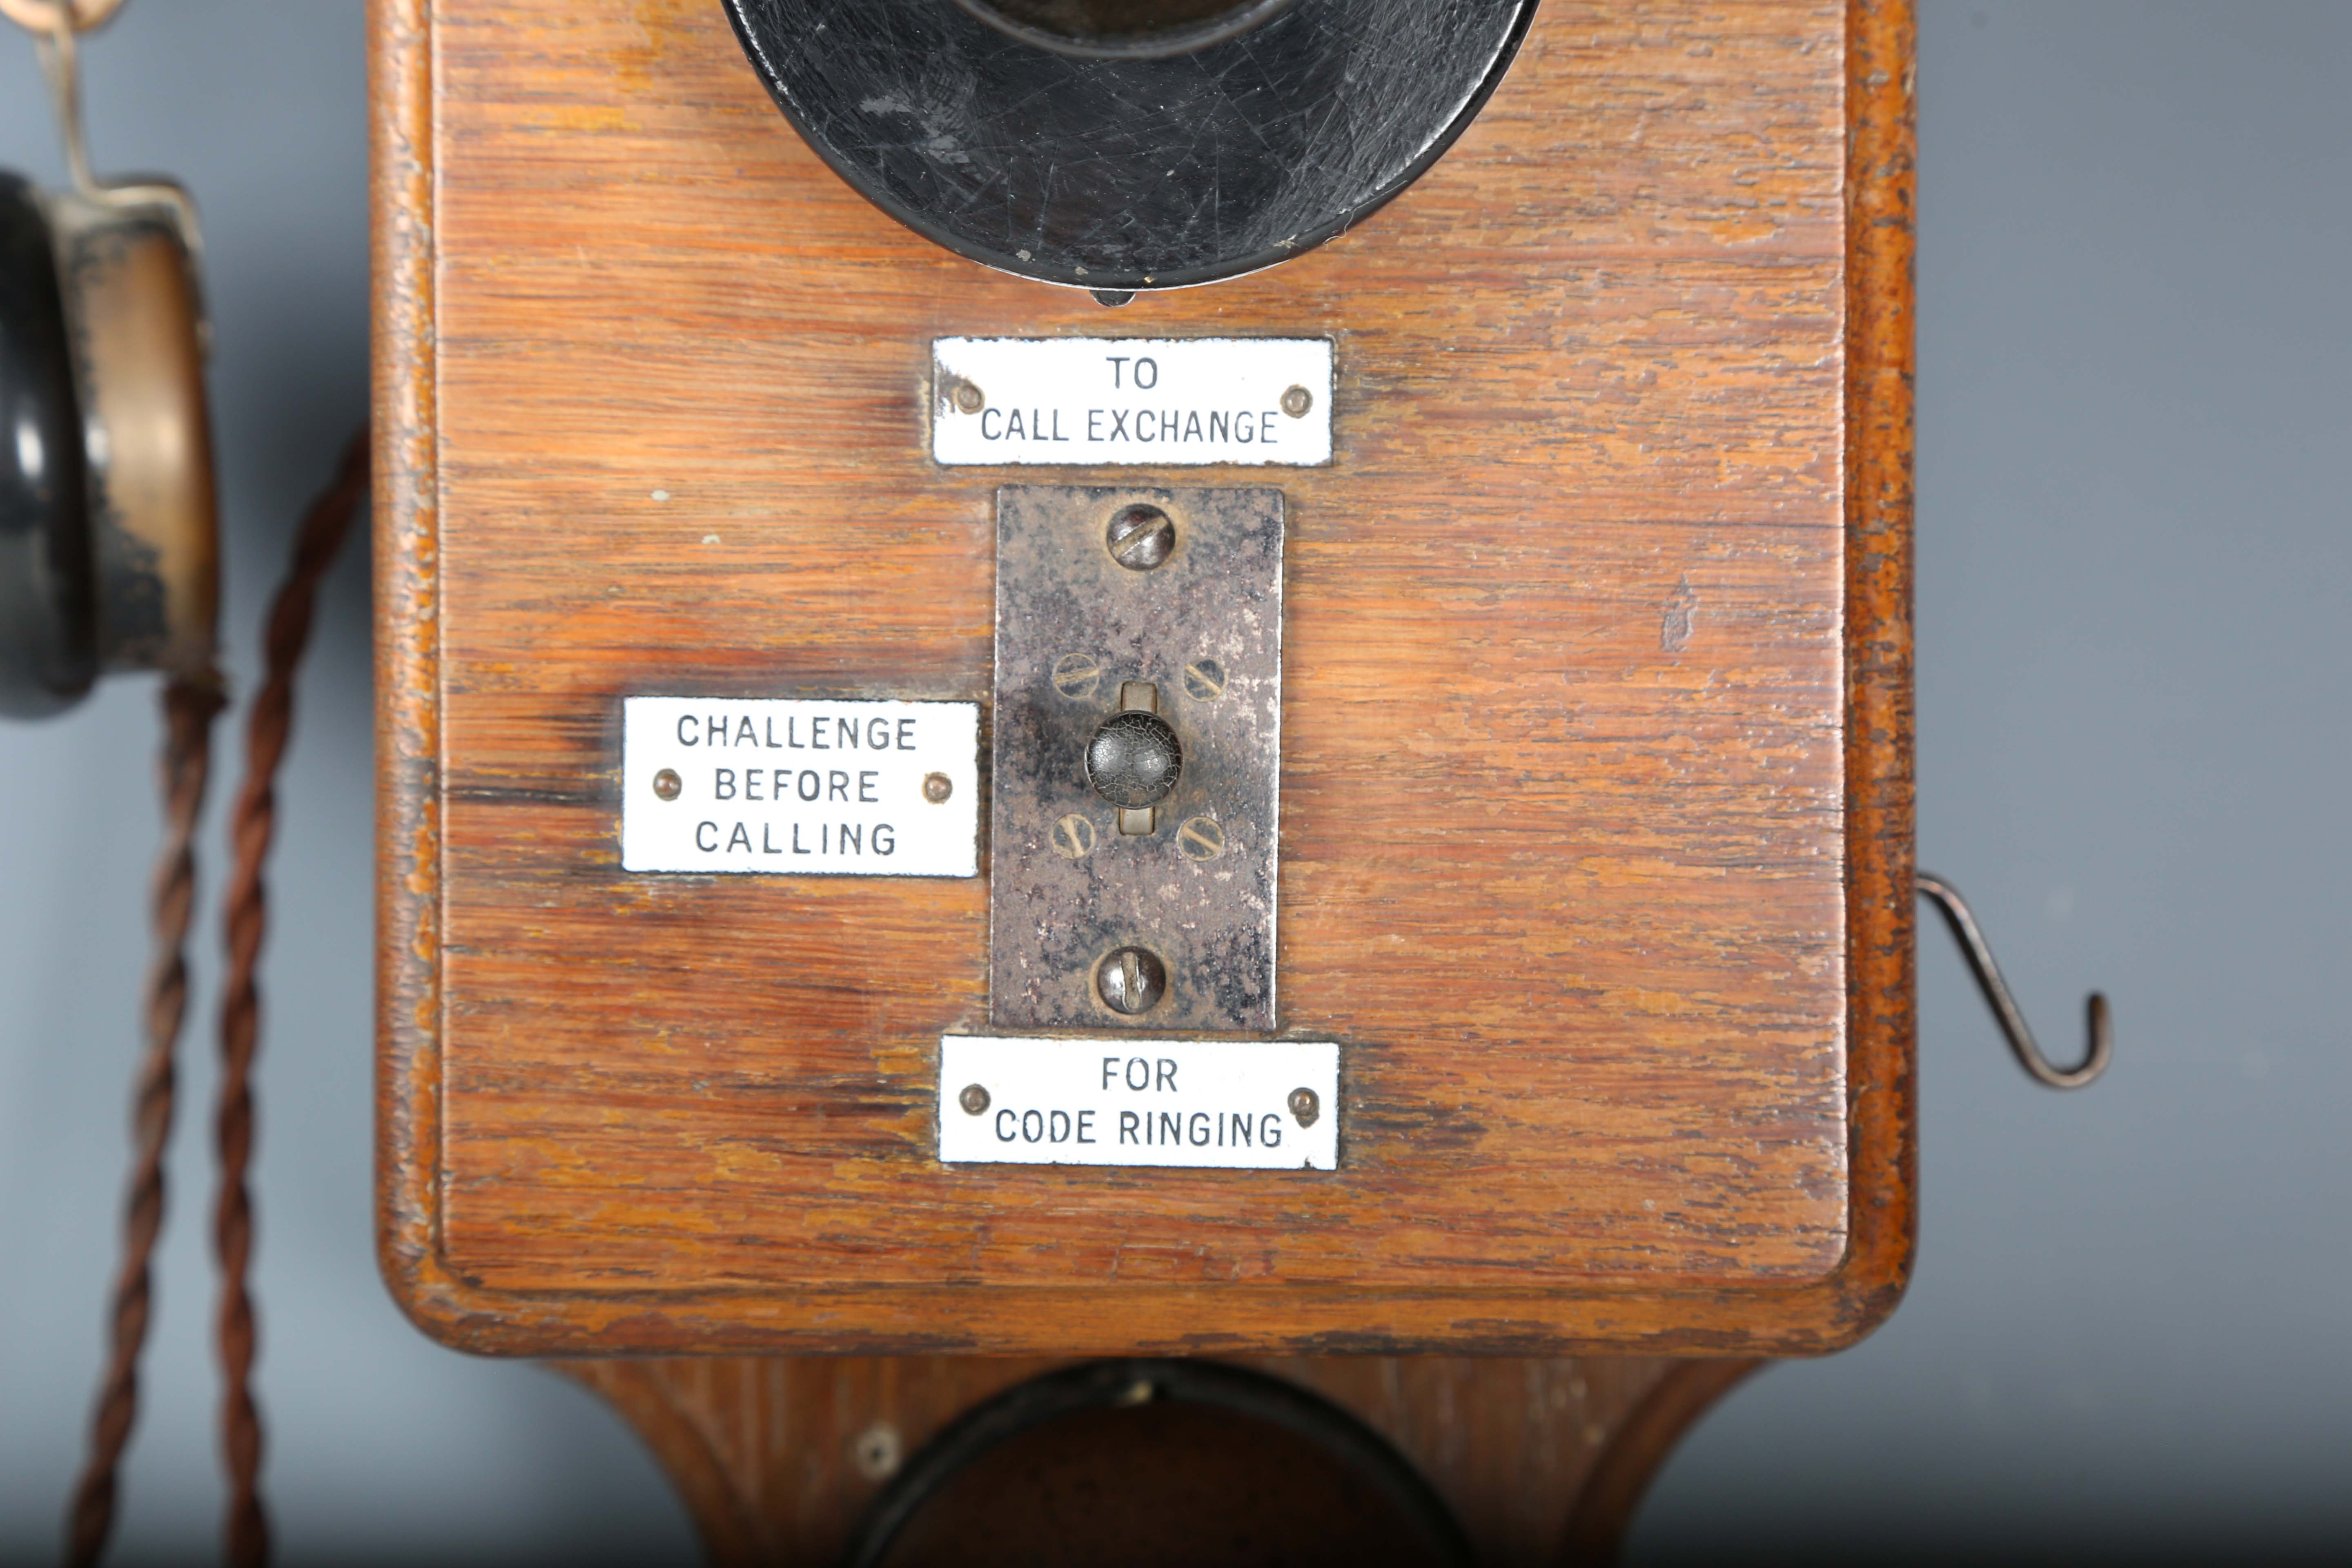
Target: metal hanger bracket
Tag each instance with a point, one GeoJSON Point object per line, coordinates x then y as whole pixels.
{"type": "Point", "coordinates": [2101, 1049]}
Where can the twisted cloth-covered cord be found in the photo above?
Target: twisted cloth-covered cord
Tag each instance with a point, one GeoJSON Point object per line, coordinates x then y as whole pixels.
{"type": "Point", "coordinates": [267, 726]}
{"type": "Point", "coordinates": [189, 707]}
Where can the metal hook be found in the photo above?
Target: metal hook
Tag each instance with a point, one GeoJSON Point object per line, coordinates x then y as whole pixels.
{"type": "Point", "coordinates": [56, 27]}
{"type": "Point", "coordinates": [61, 63]}
{"type": "Point", "coordinates": [1973, 946]}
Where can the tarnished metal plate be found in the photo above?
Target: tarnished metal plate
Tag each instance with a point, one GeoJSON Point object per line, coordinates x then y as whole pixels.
{"type": "Point", "coordinates": [1068, 888]}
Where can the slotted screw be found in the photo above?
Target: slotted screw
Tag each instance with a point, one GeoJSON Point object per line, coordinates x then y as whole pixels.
{"type": "Point", "coordinates": [1131, 981]}
{"type": "Point", "coordinates": [1141, 537]}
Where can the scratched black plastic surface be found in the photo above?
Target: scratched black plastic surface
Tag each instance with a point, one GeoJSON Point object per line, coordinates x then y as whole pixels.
{"type": "Point", "coordinates": [1130, 173]}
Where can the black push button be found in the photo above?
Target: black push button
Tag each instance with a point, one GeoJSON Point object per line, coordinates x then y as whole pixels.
{"type": "Point", "coordinates": [1134, 760]}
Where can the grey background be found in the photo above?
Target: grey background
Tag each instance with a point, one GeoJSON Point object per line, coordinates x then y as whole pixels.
{"type": "Point", "coordinates": [2124, 1338]}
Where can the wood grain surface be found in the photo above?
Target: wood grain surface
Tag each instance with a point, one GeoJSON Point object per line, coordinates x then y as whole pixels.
{"type": "Point", "coordinates": [1542, 1462]}
{"type": "Point", "coordinates": [1596, 773]}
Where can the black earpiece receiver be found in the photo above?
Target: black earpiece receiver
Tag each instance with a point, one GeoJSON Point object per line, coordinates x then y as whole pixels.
{"type": "Point", "coordinates": [49, 639]}
{"type": "Point", "coordinates": [1122, 145]}
{"type": "Point", "coordinates": [108, 548]}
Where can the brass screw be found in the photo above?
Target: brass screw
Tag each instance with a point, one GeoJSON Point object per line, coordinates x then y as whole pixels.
{"type": "Point", "coordinates": [1200, 838]}
{"type": "Point", "coordinates": [1204, 679]}
{"type": "Point", "coordinates": [1305, 1106]}
{"type": "Point", "coordinates": [1076, 675]}
{"type": "Point", "coordinates": [667, 783]}
{"type": "Point", "coordinates": [1296, 401]}
{"type": "Point", "coordinates": [1141, 537]}
{"type": "Point", "coordinates": [877, 1451]}
{"type": "Point", "coordinates": [967, 398]}
{"type": "Point", "coordinates": [937, 788]}
{"type": "Point", "coordinates": [1073, 838]}
{"type": "Point", "coordinates": [975, 1099]}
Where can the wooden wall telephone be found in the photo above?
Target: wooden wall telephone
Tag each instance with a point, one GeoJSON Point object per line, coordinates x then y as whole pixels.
{"type": "Point", "coordinates": [1349, 565]}
{"type": "Point", "coordinates": [1546, 749]}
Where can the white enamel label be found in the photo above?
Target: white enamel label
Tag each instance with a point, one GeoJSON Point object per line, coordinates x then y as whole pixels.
{"type": "Point", "coordinates": [1257, 1105]}
{"type": "Point", "coordinates": [799, 787]}
{"type": "Point", "coordinates": [1165, 402]}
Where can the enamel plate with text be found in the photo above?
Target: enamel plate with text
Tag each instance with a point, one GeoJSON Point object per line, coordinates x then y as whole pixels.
{"type": "Point", "coordinates": [1166, 402]}
{"type": "Point", "coordinates": [799, 787]}
{"type": "Point", "coordinates": [1258, 1105]}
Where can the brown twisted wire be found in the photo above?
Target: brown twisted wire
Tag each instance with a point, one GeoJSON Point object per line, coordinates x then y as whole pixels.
{"type": "Point", "coordinates": [189, 707]}
{"type": "Point", "coordinates": [267, 725]}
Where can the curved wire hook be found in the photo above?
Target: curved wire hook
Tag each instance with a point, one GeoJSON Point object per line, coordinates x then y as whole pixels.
{"type": "Point", "coordinates": [1979, 953]}
{"type": "Point", "coordinates": [56, 27]}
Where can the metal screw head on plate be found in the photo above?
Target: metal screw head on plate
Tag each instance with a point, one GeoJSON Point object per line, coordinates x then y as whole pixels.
{"type": "Point", "coordinates": [1305, 1105]}
{"type": "Point", "coordinates": [1296, 401]}
{"type": "Point", "coordinates": [967, 398]}
{"type": "Point", "coordinates": [667, 783]}
{"type": "Point", "coordinates": [1141, 537]}
{"type": "Point", "coordinates": [1077, 674]}
{"type": "Point", "coordinates": [1200, 838]}
{"type": "Point", "coordinates": [1204, 680]}
{"type": "Point", "coordinates": [1073, 837]}
{"type": "Point", "coordinates": [1131, 981]}
{"type": "Point", "coordinates": [937, 788]}
{"type": "Point", "coordinates": [975, 1099]}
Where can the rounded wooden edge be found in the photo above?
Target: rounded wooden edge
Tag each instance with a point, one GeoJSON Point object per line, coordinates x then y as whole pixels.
{"type": "Point", "coordinates": [399, 93]}
{"type": "Point", "coordinates": [1614, 1489]}
{"type": "Point", "coordinates": [732, 1531]}
{"type": "Point", "coordinates": [1881, 143]}
{"type": "Point", "coordinates": [1051, 1321]}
